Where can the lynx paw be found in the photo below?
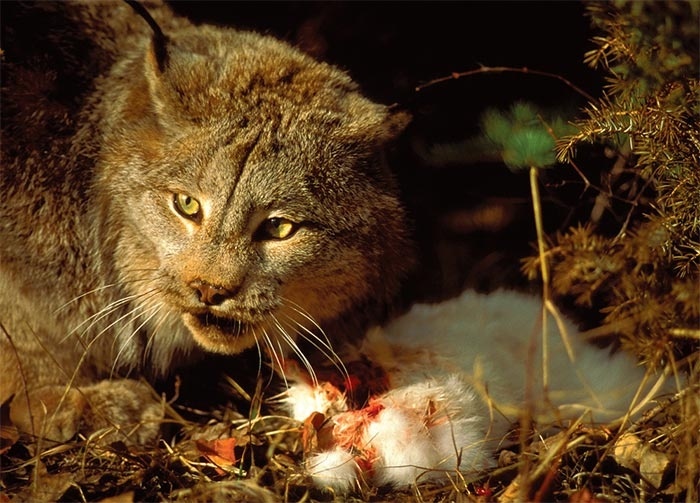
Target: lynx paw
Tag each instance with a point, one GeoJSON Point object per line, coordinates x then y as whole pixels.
{"type": "Point", "coordinates": [107, 411]}
{"type": "Point", "coordinates": [122, 410]}
{"type": "Point", "coordinates": [50, 412]}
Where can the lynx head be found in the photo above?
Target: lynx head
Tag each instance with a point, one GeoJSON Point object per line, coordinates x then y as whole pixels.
{"type": "Point", "coordinates": [245, 191]}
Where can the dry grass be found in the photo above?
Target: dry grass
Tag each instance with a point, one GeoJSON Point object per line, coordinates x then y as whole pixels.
{"type": "Point", "coordinates": [258, 459]}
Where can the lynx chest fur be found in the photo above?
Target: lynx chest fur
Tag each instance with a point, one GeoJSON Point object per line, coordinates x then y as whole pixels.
{"type": "Point", "coordinates": [170, 194]}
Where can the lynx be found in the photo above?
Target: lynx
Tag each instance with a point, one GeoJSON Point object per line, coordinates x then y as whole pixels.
{"type": "Point", "coordinates": [196, 190]}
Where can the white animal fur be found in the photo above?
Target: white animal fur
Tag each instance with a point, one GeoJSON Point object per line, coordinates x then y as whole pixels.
{"type": "Point", "coordinates": [476, 361]}
{"type": "Point", "coordinates": [335, 468]}
{"type": "Point", "coordinates": [409, 448]}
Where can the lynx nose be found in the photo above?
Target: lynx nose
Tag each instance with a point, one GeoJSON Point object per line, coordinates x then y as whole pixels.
{"type": "Point", "coordinates": [209, 294]}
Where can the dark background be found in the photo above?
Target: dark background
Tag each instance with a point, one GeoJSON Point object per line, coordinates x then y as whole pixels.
{"type": "Point", "coordinates": [473, 219]}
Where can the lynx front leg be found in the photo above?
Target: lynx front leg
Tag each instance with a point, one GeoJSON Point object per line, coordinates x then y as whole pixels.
{"type": "Point", "coordinates": [111, 410]}
{"type": "Point", "coordinates": [50, 412]}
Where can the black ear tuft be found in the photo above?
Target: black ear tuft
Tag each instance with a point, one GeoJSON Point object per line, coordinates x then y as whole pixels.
{"type": "Point", "coordinates": [160, 41]}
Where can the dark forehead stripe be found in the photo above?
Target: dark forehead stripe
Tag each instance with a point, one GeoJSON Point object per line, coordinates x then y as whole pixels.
{"type": "Point", "coordinates": [245, 151]}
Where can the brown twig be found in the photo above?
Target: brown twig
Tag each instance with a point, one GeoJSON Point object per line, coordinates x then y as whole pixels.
{"type": "Point", "coordinates": [505, 69]}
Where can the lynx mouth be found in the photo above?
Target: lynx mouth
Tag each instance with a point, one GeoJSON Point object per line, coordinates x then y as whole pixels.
{"type": "Point", "coordinates": [224, 325]}
{"type": "Point", "coordinates": [220, 334]}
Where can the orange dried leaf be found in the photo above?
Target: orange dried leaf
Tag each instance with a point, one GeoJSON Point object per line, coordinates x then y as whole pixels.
{"type": "Point", "coordinates": [219, 451]}
{"type": "Point", "coordinates": [309, 432]}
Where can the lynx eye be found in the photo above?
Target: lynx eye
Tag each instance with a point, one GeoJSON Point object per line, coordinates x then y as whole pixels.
{"type": "Point", "coordinates": [277, 228]}
{"type": "Point", "coordinates": [187, 206]}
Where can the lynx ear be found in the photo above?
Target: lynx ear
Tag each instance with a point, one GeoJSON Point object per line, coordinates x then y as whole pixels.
{"type": "Point", "coordinates": [159, 59]}
{"type": "Point", "coordinates": [390, 127]}
{"type": "Point", "coordinates": [174, 73]}
{"type": "Point", "coordinates": [395, 123]}
{"type": "Point", "coordinates": [159, 44]}
{"type": "Point", "coordinates": [177, 80]}
{"type": "Point", "coordinates": [158, 54]}
{"type": "Point", "coordinates": [370, 124]}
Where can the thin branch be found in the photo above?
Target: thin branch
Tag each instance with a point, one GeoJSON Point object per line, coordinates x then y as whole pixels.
{"type": "Point", "coordinates": [506, 69]}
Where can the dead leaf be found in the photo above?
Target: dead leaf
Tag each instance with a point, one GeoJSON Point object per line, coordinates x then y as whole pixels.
{"type": "Point", "coordinates": [309, 431]}
{"type": "Point", "coordinates": [628, 451]}
{"type": "Point", "coordinates": [219, 451]}
{"type": "Point", "coordinates": [633, 453]}
{"type": "Point", "coordinates": [653, 465]}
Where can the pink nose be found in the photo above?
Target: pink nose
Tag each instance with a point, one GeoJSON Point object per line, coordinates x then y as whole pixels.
{"type": "Point", "coordinates": [211, 295]}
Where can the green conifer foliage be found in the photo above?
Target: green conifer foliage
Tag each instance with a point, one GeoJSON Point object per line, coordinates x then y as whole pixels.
{"type": "Point", "coordinates": [640, 268]}
{"type": "Point", "coordinates": [522, 136]}
{"type": "Point", "coordinates": [646, 276]}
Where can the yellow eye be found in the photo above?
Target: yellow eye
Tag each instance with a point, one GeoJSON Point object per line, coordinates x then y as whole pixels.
{"type": "Point", "coordinates": [277, 228]}
{"type": "Point", "coordinates": [187, 206]}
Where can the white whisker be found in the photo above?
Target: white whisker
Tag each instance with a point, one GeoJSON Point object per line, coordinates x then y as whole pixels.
{"type": "Point", "coordinates": [327, 351]}
{"type": "Point", "coordinates": [275, 356]}
{"type": "Point", "coordinates": [83, 295]}
{"type": "Point", "coordinates": [150, 312]}
{"type": "Point", "coordinates": [300, 310]}
{"type": "Point", "coordinates": [296, 349]}
{"type": "Point", "coordinates": [152, 334]}
{"type": "Point", "coordinates": [126, 315]}
{"type": "Point", "coordinates": [98, 316]}
{"type": "Point", "coordinates": [81, 360]}
{"type": "Point", "coordinates": [106, 287]}
{"type": "Point", "coordinates": [260, 351]}
{"type": "Point", "coordinates": [105, 312]}
{"type": "Point", "coordinates": [322, 344]}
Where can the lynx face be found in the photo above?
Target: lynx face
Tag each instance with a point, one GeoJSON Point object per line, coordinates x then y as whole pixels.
{"type": "Point", "coordinates": [252, 201]}
{"type": "Point", "coordinates": [200, 188]}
